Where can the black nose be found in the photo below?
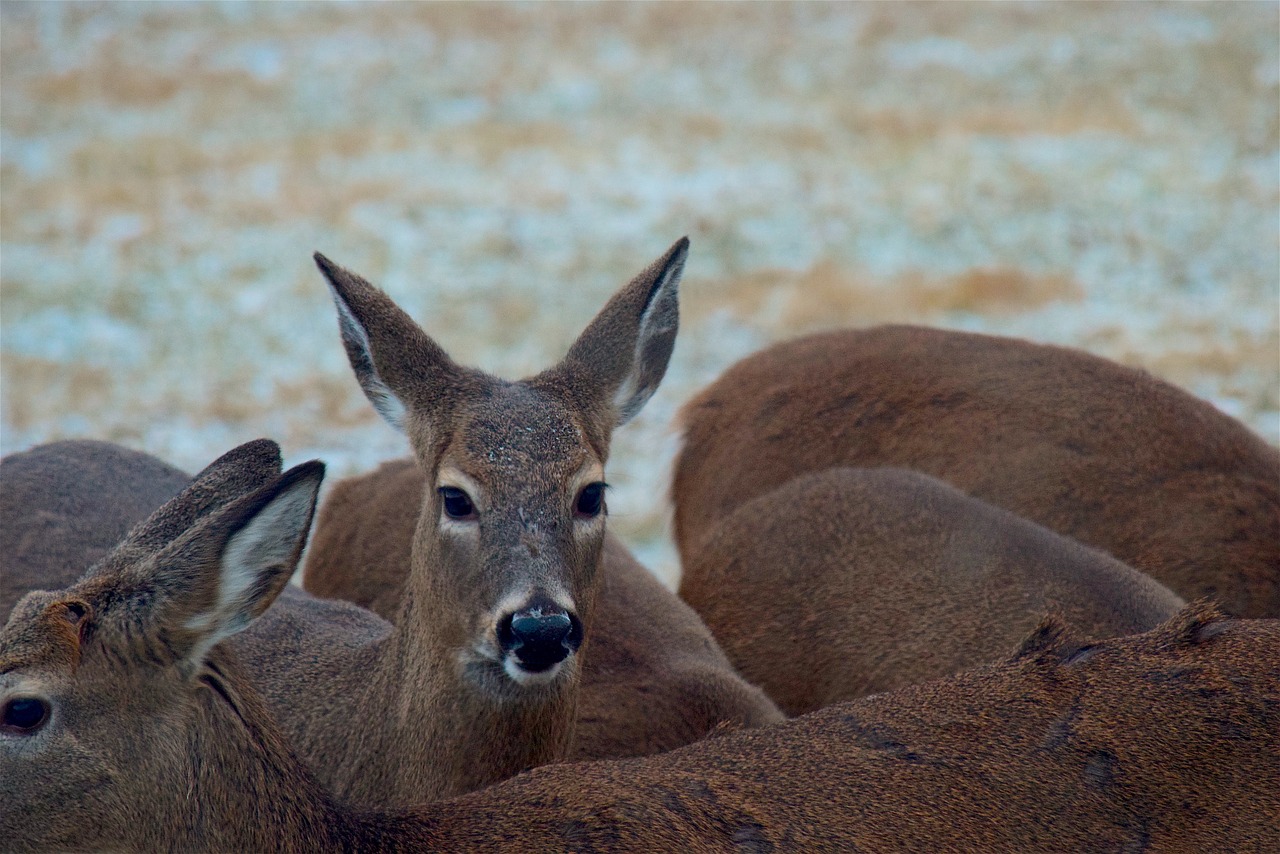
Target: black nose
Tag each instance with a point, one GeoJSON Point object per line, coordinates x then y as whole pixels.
{"type": "Point", "coordinates": [540, 637]}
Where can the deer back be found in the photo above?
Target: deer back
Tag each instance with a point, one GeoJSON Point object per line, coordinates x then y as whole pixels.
{"type": "Point", "coordinates": [1122, 744]}
{"type": "Point", "coordinates": [1106, 454]}
{"type": "Point", "coordinates": [849, 582]}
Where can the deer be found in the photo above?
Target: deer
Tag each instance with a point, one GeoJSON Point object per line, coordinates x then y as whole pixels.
{"type": "Point", "coordinates": [506, 486]}
{"type": "Point", "coordinates": [128, 723]}
{"type": "Point", "coordinates": [1108, 455]}
{"type": "Point", "coordinates": [881, 578]}
{"type": "Point", "coordinates": [645, 641]}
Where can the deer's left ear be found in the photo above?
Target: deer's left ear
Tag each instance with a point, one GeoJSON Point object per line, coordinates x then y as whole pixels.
{"type": "Point", "coordinates": [620, 358]}
{"type": "Point", "coordinates": [224, 573]}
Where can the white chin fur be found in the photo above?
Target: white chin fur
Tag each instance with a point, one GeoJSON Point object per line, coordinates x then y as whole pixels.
{"type": "Point", "coordinates": [527, 678]}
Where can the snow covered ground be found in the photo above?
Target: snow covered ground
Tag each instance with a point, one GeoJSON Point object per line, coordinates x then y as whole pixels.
{"type": "Point", "coordinates": [1105, 176]}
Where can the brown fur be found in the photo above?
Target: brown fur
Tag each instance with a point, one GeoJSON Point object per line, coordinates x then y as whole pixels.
{"type": "Point", "coordinates": [653, 677]}
{"type": "Point", "coordinates": [1106, 454]}
{"type": "Point", "coordinates": [53, 521]}
{"type": "Point", "coordinates": [1166, 741]}
{"type": "Point", "coordinates": [875, 579]}
{"type": "Point", "coordinates": [153, 741]}
{"type": "Point", "coordinates": [364, 531]}
{"type": "Point", "coordinates": [1129, 744]}
{"type": "Point", "coordinates": [64, 505]}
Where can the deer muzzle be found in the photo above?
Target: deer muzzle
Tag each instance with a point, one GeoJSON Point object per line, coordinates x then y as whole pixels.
{"type": "Point", "coordinates": [540, 636]}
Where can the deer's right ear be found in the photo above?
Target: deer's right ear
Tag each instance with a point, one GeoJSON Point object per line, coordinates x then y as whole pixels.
{"type": "Point", "coordinates": [227, 570]}
{"type": "Point", "coordinates": [397, 365]}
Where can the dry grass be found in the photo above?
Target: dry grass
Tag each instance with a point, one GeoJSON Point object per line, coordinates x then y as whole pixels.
{"type": "Point", "coordinates": [826, 296]}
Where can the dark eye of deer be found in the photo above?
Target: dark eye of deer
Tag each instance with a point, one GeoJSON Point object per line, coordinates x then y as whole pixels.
{"type": "Point", "coordinates": [457, 504]}
{"type": "Point", "coordinates": [24, 714]}
{"type": "Point", "coordinates": [590, 500]}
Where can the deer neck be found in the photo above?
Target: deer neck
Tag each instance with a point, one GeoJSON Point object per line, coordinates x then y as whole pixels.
{"type": "Point", "coordinates": [450, 734]}
{"type": "Point", "coordinates": [248, 772]}
{"type": "Point", "coordinates": [250, 792]}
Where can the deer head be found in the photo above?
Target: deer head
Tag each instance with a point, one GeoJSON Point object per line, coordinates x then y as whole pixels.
{"type": "Point", "coordinates": [507, 548]}
{"type": "Point", "coordinates": [109, 689]}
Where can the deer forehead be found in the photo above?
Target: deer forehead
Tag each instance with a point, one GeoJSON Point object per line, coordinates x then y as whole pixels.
{"type": "Point", "coordinates": [523, 440]}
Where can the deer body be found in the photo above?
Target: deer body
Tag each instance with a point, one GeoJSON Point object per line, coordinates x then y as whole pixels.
{"type": "Point", "coordinates": [881, 578]}
{"type": "Point", "coordinates": [65, 505]}
{"type": "Point", "coordinates": [1123, 744]}
{"type": "Point", "coordinates": [1102, 453]}
{"type": "Point", "coordinates": [126, 724]}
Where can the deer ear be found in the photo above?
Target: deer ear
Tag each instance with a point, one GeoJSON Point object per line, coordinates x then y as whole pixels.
{"type": "Point", "coordinates": [224, 573]}
{"type": "Point", "coordinates": [251, 464]}
{"type": "Point", "coordinates": [238, 471]}
{"type": "Point", "coordinates": [399, 367]}
{"type": "Point", "coordinates": [620, 358]}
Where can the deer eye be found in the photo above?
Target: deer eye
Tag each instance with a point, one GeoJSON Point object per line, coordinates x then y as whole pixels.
{"type": "Point", "coordinates": [24, 715]}
{"type": "Point", "coordinates": [457, 504]}
{"type": "Point", "coordinates": [590, 500]}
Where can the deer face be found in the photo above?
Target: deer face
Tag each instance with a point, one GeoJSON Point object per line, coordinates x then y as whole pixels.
{"type": "Point", "coordinates": [59, 764]}
{"type": "Point", "coordinates": [507, 548]}
{"type": "Point", "coordinates": [92, 724]}
{"type": "Point", "coordinates": [512, 535]}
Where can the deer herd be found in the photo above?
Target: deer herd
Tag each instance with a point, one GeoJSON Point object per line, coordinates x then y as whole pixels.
{"type": "Point", "coordinates": [940, 592]}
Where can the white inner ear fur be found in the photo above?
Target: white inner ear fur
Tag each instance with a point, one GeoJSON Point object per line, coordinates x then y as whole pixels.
{"type": "Point", "coordinates": [380, 395]}
{"type": "Point", "coordinates": [657, 320]}
{"type": "Point", "coordinates": [263, 548]}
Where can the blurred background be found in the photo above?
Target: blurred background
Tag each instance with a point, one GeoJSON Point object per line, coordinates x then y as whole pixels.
{"type": "Point", "coordinates": [1104, 176]}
